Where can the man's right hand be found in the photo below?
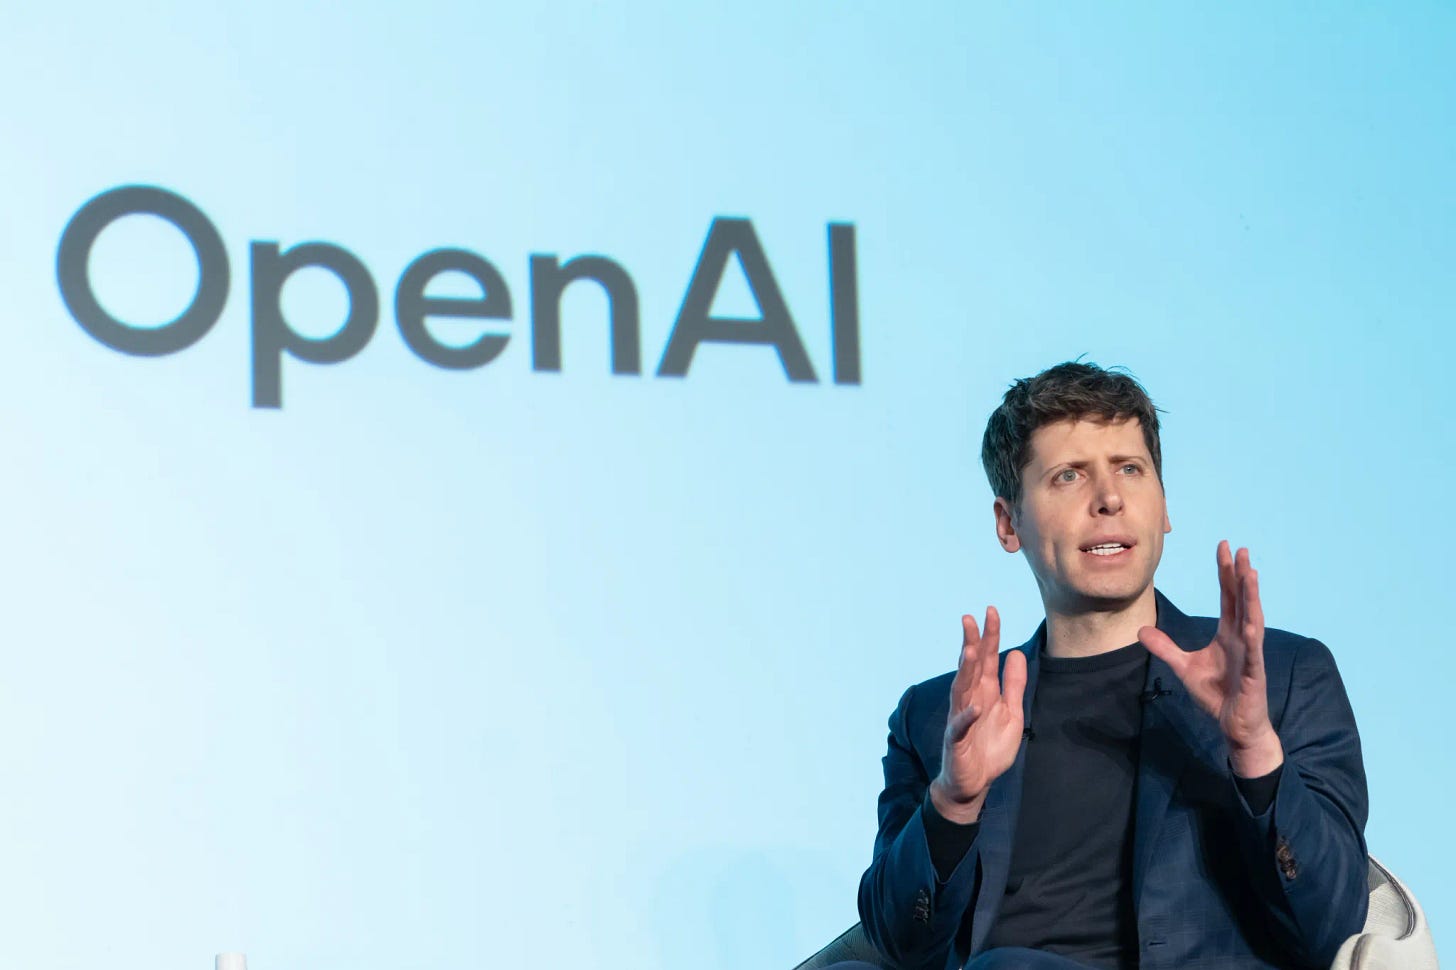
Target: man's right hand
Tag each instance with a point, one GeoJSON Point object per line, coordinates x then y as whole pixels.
{"type": "Point", "coordinates": [983, 730]}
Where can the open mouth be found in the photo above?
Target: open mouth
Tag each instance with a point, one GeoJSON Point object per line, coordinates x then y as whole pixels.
{"type": "Point", "coordinates": [1107, 548]}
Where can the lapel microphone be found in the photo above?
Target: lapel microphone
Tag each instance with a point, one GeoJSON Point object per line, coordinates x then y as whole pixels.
{"type": "Point", "coordinates": [1153, 694]}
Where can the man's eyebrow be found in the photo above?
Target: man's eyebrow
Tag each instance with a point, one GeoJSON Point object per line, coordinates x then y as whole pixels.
{"type": "Point", "coordinates": [1057, 466]}
{"type": "Point", "coordinates": [1137, 458]}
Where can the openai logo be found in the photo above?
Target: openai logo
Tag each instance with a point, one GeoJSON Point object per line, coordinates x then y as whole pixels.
{"type": "Point", "coordinates": [273, 338]}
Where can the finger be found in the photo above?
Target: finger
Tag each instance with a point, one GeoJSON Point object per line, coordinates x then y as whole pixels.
{"type": "Point", "coordinates": [1241, 573]}
{"type": "Point", "coordinates": [959, 725]}
{"type": "Point", "coordinates": [966, 668]}
{"type": "Point", "coordinates": [1227, 587]}
{"type": "Point", "coordinates": [1253, 626]}
{"type": "Point", "coordinates": [1013, 681]}
{"type": "Point", "coordinates": [1161, 645]}
{"type": "Point", "coordinates": [961, 683]}
{"type": "Point", "coordinates": [977, 654]}
{"type": "Point", "coordinates": [990, 646]}
{"type": "Point", "coordinates": [970, 633]}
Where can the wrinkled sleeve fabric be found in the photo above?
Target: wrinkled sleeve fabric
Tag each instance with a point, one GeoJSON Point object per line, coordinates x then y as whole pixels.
{"type": "Point", "coordinates": [1305, 846]}
{"type": "Point", "coordinates": [908, 911]}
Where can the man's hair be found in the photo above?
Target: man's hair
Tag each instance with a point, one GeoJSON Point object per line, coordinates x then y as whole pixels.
{"type": "Point", "coordinates": [1071, 390]}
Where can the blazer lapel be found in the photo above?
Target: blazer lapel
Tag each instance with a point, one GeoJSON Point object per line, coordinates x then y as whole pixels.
{"type": "Point", "coordinates": [1175, 732]}
{"type": "Point", "coordinates": [1003, 805]}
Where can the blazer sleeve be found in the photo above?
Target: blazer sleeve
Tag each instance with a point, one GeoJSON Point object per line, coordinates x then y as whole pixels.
{"type": "Point", "coordinates": [1306, 851]}
{"type": "Point", "coordinates": [909, 915]}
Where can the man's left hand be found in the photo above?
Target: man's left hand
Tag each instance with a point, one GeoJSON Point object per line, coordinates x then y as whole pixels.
{"type": "Point", "coordinates": [1226, 678]}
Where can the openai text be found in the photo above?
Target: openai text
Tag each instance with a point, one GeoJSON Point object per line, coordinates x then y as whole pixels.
{"type": "Point", "coordinates": [270, 266]}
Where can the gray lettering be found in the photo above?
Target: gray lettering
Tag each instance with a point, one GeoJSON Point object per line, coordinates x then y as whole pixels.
{"type": "Point", "coordinates": [549, 279]}
{"type": "Point", "coordinates": [774, 327]}
{"type": "Point", "coordinates": [411, 307]}
{"type": "Point", "coordinates": [73, 259]}
{"type": "Point", "coordinates": [271, 334]}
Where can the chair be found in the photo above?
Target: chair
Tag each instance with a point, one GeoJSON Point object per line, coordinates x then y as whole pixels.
{"type": "Point", "coordinates": [1396, 935]}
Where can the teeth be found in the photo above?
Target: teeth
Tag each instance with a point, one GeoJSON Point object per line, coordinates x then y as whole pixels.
{"type": "Point", "coordinates": [1107, 549]}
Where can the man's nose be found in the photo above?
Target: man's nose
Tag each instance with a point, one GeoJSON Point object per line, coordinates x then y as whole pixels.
{"type": "Point", "coordinates": [1109, 499]}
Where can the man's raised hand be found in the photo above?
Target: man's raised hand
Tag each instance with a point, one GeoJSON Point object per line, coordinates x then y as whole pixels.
{"type": "Point", "coordinates": [983, 728]}
{"type": "Point", "coordinates": [1226, 678]}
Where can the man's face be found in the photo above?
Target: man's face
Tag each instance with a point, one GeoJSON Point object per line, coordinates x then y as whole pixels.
{"type": "Point", "coordinates": [1092, 515]}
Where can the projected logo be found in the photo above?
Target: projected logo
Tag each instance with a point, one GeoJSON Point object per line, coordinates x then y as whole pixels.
{"type": "Point", "coordinates": [273, 338]}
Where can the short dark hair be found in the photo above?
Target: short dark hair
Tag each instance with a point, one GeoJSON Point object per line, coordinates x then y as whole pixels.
{"type": "Point", "coordinates": [1071, 390]}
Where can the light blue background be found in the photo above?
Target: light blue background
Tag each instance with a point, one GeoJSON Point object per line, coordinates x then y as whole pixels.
{"type": "Point", "coordinates": [500, 668]}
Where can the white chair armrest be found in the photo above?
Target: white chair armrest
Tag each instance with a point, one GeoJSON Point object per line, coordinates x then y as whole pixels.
{"type": "Point", "coordinates": [1396, 935]}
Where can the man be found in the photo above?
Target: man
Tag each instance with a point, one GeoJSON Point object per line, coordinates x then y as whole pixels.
{"type": "Point", "coordinates": [1132, 787]}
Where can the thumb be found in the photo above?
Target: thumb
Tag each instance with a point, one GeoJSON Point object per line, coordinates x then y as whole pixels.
{"type": "Point", "coordinates": [1161, 645]}
{"type": "Point", "coordinates": [1013, 679]}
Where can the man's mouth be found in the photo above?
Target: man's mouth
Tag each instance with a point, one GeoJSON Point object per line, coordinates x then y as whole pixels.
{"type": "Point", "coordinates": [1107, 548]}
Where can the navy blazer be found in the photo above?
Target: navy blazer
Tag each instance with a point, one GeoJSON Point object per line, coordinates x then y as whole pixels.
{"type": "Point", "coordinates": [1213, 884]}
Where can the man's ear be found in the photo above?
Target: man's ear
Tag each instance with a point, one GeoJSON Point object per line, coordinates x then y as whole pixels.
{"type": "Point", "coordinates": [1167, 522]}
{"type": "Point", "coordinates": [1006, 525]}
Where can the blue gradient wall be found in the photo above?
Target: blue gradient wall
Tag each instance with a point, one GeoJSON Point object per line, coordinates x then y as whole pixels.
{"type": "Point", "coordinates": [507, 668]}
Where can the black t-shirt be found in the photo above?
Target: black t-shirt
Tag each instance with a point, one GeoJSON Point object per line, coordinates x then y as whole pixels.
{"type": "Point", "coordinates": [1069, 889]}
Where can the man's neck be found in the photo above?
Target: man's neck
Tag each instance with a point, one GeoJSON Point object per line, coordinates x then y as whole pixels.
{"type": "Point", "coordinates": [1086, 633]}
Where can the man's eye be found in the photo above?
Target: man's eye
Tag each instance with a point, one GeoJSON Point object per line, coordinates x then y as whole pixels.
{"type": "Point", "coordinates": [1067, 475]}
{"type": "Point", "coordinates": [1131, 468]}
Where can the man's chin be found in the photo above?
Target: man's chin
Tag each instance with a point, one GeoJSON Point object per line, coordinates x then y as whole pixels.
{"type": "Point", "coordinates": [1108, 600]}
